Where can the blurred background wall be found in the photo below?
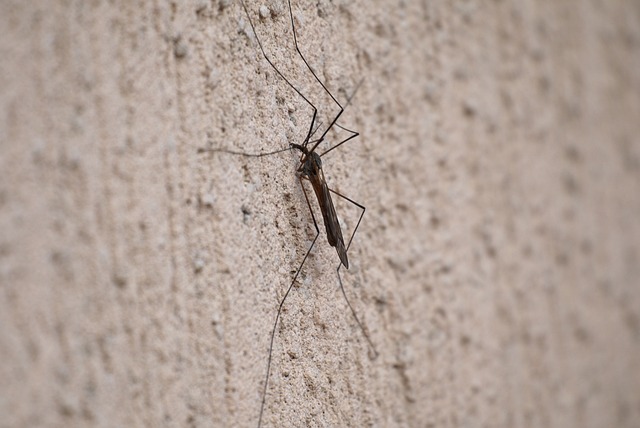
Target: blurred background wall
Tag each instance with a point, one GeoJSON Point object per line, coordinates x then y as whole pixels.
{"type": "Point", "coordinates": [497, 267]}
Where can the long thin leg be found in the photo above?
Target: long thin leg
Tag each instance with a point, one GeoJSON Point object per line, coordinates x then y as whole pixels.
{"type": "Point", "coordinates": [354, 134]}
{"type": "Point", "coordinates": [353, 312]}
{"type": "Point", "coordinates": [234, 152]}
{"type": "Point", "coordinates": [295, 40]}
{"type": "Point", "coordinates": [315, 110]}
{"type": "Point", "coordinates": [335, 119]}
{"type": "Point", "coordinates": [275, 324]}
{"type": "Point", "coordinates": [254, 155]}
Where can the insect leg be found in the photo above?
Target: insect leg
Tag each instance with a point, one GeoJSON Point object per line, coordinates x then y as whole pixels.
{"type": "Point", "coordinates": [354, 134]}
{"type": "Point", "coordinates": [353, 312]}
{"type": "Point", "coordinates": [315, 110]}
{"type": "Point", "coordinates": [275, 324]}
{"type": "Point", "coordinates": [295, 40]}
{"type": "Point", "coordinates": [234, 152]}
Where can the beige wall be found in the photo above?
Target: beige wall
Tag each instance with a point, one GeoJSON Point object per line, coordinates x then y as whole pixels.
{"type": "Point", "coordinates": [497, 266]}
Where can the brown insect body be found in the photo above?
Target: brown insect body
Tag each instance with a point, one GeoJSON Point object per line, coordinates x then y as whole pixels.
{"type": "Point", "coordinates": [311, 168]}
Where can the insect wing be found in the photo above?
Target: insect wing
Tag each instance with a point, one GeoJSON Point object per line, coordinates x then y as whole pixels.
{"type": "Point", "coordinates": [331, 224]}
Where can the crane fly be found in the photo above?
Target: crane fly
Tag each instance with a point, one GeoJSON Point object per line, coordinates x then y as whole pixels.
{"type": "Point", "coordinates": [310, 169]}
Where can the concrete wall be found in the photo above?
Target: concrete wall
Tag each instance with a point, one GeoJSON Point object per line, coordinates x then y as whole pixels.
{"type": "Point", "coordinates": [496, 268]}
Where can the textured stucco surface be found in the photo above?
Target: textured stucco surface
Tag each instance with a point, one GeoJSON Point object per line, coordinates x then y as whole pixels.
{"type": "Point", "coordinates": [497, 267]}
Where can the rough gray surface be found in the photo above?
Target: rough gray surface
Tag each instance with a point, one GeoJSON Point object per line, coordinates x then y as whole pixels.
{"type": "Point", "coordinates": [497, 267]}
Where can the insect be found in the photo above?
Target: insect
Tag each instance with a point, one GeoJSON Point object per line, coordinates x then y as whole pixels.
{"type": "Point", "coordinates": [310, 169]}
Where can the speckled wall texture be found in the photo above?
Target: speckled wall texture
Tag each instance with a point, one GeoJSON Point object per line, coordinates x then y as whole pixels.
{"type": "Point", "coordinates": [496, 269]}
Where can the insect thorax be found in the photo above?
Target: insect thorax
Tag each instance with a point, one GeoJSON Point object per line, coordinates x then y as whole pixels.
{"type": "Point", "coordinates": [312, 165]}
